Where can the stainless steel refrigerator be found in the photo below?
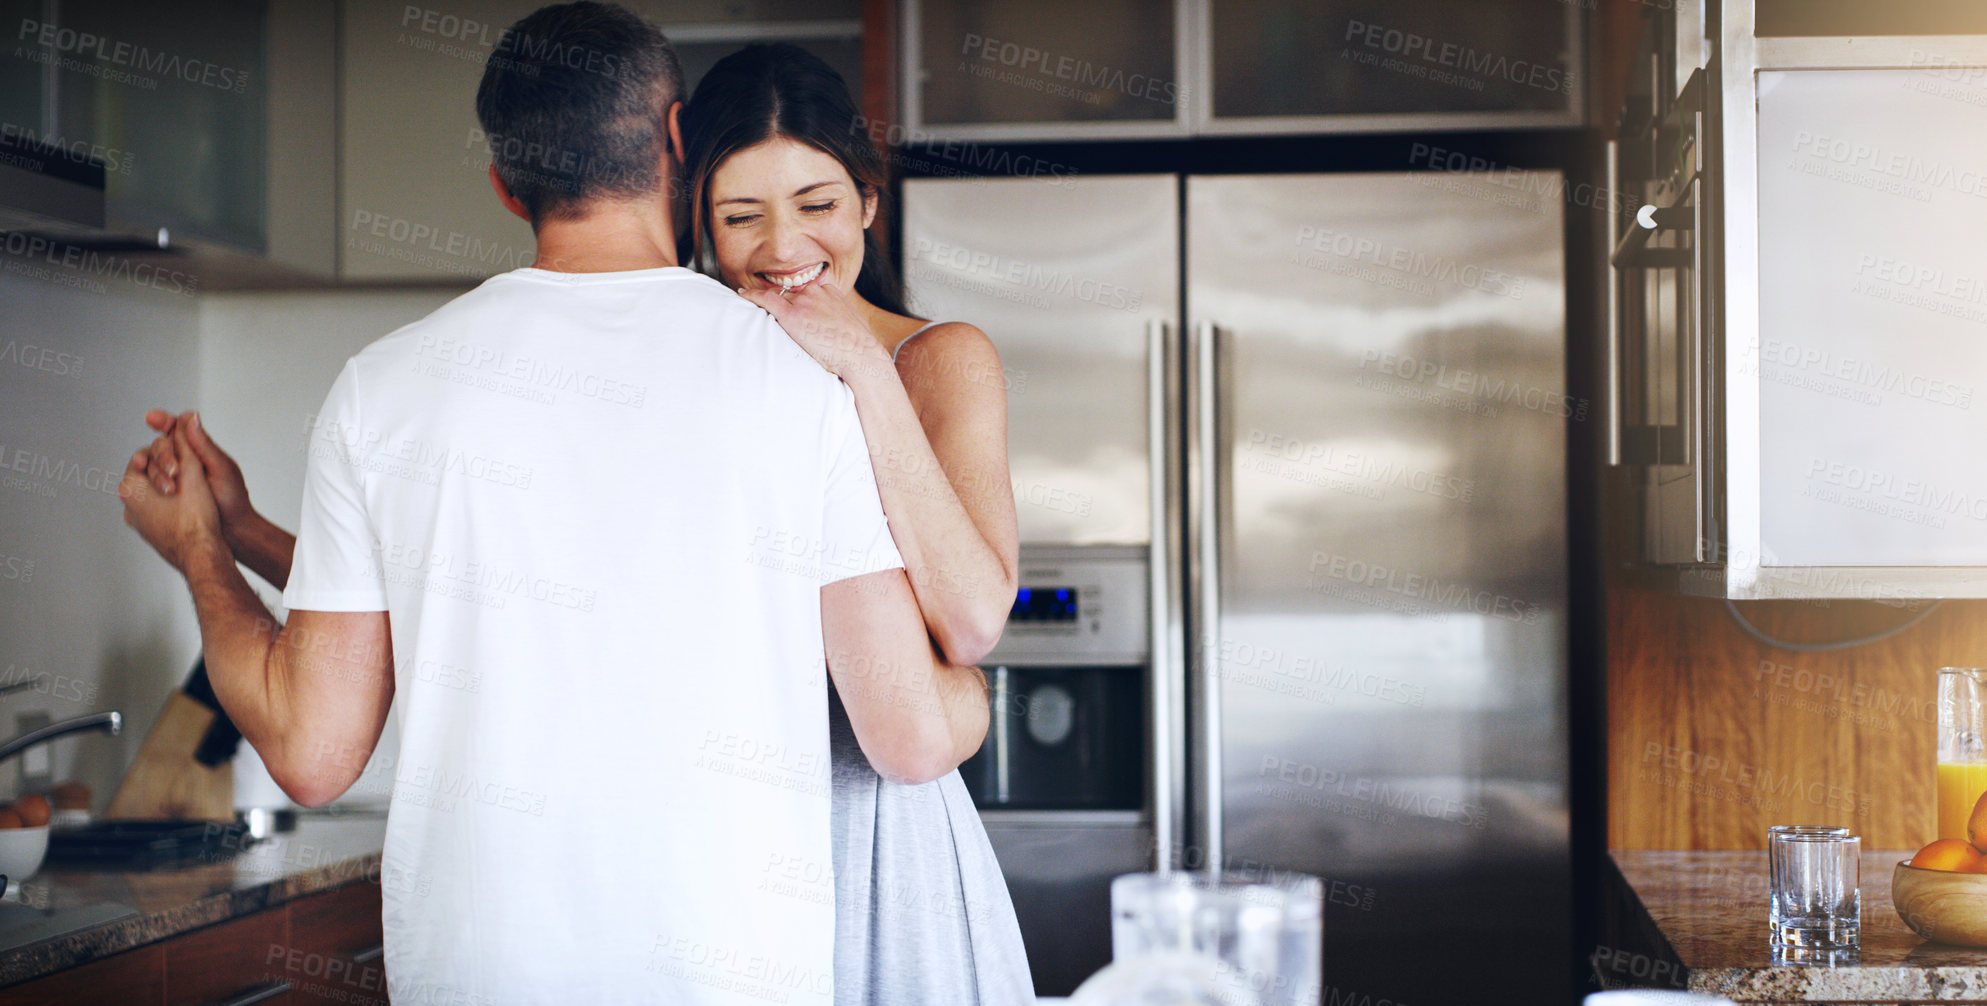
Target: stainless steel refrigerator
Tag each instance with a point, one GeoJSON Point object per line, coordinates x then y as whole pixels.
{"type": "Point", "coordinates": [1331, 409]}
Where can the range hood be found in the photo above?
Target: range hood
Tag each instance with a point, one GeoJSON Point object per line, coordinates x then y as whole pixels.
{"type": "Point", "coordinates": [47, 190]}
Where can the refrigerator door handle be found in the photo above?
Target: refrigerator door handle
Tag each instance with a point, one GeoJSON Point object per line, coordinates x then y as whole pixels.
{"type": "Point", "coordinates": [1160, 448]}
{"type": "Point", "coordinates": [1206, 659]}
{"type": "Point", "coordinates": [1613, 306]}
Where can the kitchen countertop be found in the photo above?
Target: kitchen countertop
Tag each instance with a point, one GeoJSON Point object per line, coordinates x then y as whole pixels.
{"type": "Point", "coordinates": [323, 852]}
{"type": "Point", "coordinates": [1697, 920]}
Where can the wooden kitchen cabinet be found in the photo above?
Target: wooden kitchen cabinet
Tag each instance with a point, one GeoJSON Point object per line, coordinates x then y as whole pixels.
{"type": "Point", "coordinates": [338, 947]}
{"type": "Point", "coordinates": [327, 946]}
{"type": "Point", "coordinates": [223, 963]}
{"type": "Point", "coordinates": [133, 978]}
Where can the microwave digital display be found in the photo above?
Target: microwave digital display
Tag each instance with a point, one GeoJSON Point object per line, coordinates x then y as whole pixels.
{"type": "Point", "coordinates": [1044, 604]}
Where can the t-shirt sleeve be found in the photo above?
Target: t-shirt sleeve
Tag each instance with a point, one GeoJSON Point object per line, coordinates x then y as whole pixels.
{"type": "Point", "coordinates": [854, 533]}
{"type": "Point", "coordinates": [334, 568]}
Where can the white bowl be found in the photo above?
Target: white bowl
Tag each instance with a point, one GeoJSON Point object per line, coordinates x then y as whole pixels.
{"type": "Point", "coordinates": [21, 851]}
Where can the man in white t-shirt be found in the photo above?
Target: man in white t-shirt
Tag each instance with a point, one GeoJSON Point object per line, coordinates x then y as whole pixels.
{"type": "Point", "coordinates": [596, 525]}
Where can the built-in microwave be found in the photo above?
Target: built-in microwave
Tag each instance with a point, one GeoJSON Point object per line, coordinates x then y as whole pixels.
{"type": "Point", "coordinates": [1063, 780]}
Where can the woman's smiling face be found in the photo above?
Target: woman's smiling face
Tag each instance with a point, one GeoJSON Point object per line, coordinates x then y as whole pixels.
{"type": "Point", "coordinates": [784, 214]}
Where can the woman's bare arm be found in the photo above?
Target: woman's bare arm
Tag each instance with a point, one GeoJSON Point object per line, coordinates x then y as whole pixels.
{"type": "Point", "coordinates": [936, 424]}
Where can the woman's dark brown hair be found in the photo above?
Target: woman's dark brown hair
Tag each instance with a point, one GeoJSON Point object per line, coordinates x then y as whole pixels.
{"type": "Point", "coordinates": [764, 92]}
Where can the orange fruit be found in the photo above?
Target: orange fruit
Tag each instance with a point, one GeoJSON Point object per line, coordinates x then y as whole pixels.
{"type": "Point", "coordinates": [1949, 854]}
{"type": "Point", "coordinates": [1976, 825]}
{"type": "Point", "coordinates": [34, 810]}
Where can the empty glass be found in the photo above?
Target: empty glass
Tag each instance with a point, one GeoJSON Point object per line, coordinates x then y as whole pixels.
{"type": "Point", "coordinates": [1817, 907]}
{"type": "Point", "coordinates": [1264, 933]}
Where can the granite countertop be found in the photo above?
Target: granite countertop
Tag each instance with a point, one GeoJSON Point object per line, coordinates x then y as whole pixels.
{"type": "Point", "coordinates": [1698, 921]}
{"type": "Point", "coordinates": [323, 852]}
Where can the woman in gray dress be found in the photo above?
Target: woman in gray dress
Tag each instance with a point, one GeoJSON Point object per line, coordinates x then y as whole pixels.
{"type": "Point", "coordinates": [784, 188]}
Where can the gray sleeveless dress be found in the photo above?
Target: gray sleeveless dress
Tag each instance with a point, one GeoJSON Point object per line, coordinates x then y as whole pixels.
{"type": "Point", "coordinates": [922, 914]}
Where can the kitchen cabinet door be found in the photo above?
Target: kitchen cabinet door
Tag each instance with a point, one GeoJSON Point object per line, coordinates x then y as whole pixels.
{"type": "Point", "coordinates": [1360, 65]}
{"type": "Point", "coordinates": [1872, 309]}
{"type": "Point", "coordinates": [225, 962]}
{"type": "Point", "coordinates": [171, 98]}
{"type": "Point", "coordinates": [22, 84]}
{"type": "Point", "coordinates": [1014, 69]}
{"type": "Point", "coordinates": [338, 950]}
{"type": "Point", "coordinates": [132, 978]}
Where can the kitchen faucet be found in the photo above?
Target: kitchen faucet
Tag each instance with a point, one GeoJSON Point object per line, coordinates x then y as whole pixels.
{"type": "Point", "coordinates": [109, 722]}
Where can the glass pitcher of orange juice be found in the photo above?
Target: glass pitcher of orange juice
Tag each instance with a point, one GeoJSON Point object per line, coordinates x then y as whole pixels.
{"type": "Point", "coordinates": [1962, 747]}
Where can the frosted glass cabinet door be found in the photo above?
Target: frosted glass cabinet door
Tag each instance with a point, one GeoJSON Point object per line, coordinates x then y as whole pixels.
{"type": "Point", "coordinates": [995, 62]}
{"type": "Point", "coordinates": [21, 88]}
{"type": "Point", "coordinates": [1364, 57]}
{"type": "Point", "coordinates": [1872, 347]}
{"type": "Point", "coordinates": [176, 96]}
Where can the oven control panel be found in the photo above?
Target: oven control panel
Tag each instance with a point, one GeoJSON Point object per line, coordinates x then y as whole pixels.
{"type": "Point", "coordinates": [1078, 604]}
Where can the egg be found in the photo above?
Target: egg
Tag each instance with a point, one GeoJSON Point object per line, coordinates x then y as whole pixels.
{"type": "Point", "coordinates": [33, 809]}
{"type": "Point", "coordinates": [9, 819]}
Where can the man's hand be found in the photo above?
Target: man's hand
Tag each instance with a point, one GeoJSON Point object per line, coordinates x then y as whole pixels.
{"type": "Point", "coordinates": [822, 318]}
{"type": "Point", "coordinates": [223, 475]}
{"type": "Point", "coordinates": [179, 525]}
{"type": "Point", "coordinates": [251, 539]}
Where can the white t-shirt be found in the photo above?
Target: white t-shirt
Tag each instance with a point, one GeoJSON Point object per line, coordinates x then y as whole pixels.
{"type": "Point", "coordinates": [598, 509]}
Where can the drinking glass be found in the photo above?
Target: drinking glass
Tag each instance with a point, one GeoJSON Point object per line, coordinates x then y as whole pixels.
{"type": "Point", "coordinates": [1265, 933]}
{"type": "Point", "coordinates": [1962, 772]}
{"type": "Point", "coordinates": [1816, 914]}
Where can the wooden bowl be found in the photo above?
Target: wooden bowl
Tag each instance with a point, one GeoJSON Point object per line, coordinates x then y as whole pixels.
{"type": "Point", "coordinates": [1940, 905]}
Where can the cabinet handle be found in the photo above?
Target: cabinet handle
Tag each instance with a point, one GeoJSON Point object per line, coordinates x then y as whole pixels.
{"type": "Point", "coordinates": [259, 993]}
{"type": "Point", "coordinates": [369, 956]}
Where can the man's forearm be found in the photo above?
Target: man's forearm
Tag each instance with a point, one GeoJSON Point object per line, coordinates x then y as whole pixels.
{"type": "Point", "coordinates": [263, 547]}
{"type": "Point", "coordinates": [237, 633]}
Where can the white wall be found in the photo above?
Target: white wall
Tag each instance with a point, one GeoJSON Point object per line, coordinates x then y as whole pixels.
{"type": "Point", "coordinates": [266, 361]}
{"type": "Point", "coordinates": [82, 599]}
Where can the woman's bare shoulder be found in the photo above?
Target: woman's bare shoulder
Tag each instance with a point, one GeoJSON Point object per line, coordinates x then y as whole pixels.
{"type": "Point", "coordinates": [954, 366]}
{"type": "Point", "coordinates": [943, 343]}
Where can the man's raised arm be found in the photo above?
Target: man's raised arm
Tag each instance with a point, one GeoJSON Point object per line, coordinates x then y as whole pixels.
{"type": "Point", "coordinates": [311, 697]}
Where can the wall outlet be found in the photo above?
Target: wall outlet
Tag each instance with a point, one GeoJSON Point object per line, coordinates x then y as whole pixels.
{"type": "Point", "coordinates": [37, 768]}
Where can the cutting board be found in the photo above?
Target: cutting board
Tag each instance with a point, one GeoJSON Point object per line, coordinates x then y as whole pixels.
{"type": "Point", "coordinates": [184, 769]}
